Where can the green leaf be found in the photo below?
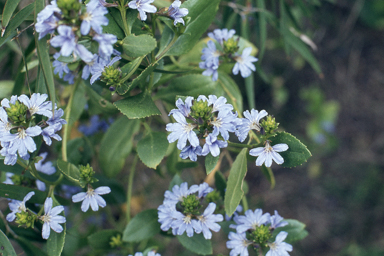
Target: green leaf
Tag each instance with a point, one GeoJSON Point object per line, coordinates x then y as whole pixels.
{"type": "Point", "coordinates": [220, 183]}
{"type": "Point", "coordinates": [295, 229]}
{"type": "Point", "coordinates": [98, 104]}
{"type": "Point", "coordinates": [6, 246]}
{"type": "Point", "coordinates": [235, 192]}
{"type": "Point", "coordinates": [188, 85]}
{"type": "Point", "coordinates": [9, 8]}
{"type": "Point", "coordinates": [138, 106]}
{"type": "Point", "coordinates": [16, 21]}
{"type": "Point", "coordinates": [229, 89]}
{"type": "Point", "coordinates": [29, 248]}
{"type": "Point", "coordinates": [5, 88]}
{"type": "Point", "coordinates": [113, 27]}
{"type": "Point", "coordinates": [210, 163]}
{"type": "Point", "coordinates": [297, 152]}
{"type": "Point", "coordinates": [55, 242]}
{"type": "Point", "coordinates": [116, 145]}
{"type": "Point", "coordinates": [268, 173]}
{"type": "Point", "coordinates": [100, 240]}
{"type": "Point", "coordinates": [152, 148]}
{"type": "Point", "coordinates": [44, 58]}
{"type": "Point", "coordinates": [19, 192]}
{"type": "Point", "coordinates": [70, 171]}
{"type": "Point", "coordinates": [136, 46]}
{"type": "Point", "coordinates": [143, 226]}
{"type": "Point", "coordinates": [197, 243]}
{"type": "Point", "coordinates": [202, 13]}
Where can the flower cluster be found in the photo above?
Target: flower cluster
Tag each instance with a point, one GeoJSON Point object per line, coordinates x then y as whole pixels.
{"type": "Point", "coordinates": [18, 126]}
{"type": "Point", "coordinates": [180, 211]}
{"type": "Point", "coordinates": [151, 253]}
{"type": "Point", "coordinates": [224, 48]}
{"type": "Point", "coordinates": [255, 229]}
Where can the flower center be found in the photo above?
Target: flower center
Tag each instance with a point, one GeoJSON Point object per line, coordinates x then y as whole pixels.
{"type": "Point", "coordinates": [22, 133]}
{"type": "Point", "coordinates": [218, 122]}
{"type": "Point", "coordinates": [273, 246]}
{"type": "Point", "coordinates": [90, 192]}
{"type": "Point", "coordinates": [46, 218]}
{"type": "Point", "coordinates": [187, 219]}
{"type": "Point", "coordinates": [255, 125]}
{"type": "Point", "coordinates": [188, 128]}
{"type": "Point", "coordinates": [22, 207]}
{"type": "Point", "coordinates": [87, 16]}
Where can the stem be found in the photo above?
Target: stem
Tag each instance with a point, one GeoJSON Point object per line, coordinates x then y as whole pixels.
{"type": "Point", "coordinates": [123, 12]}
{"type": "Point", "coordinates": [7, 227]}
{"type": "Point", "coordinates": [130, 183]}
{"type": "Point", "coordinates": [245, 203]}
{"type": "Point", "coordinates": [132, 71]}
{"type": "Point", "coordinates": [36, 175]}
{"type": "Point", "coordinates": [238, 145]}
{"type": "Point", "coordinates": [67, 116]}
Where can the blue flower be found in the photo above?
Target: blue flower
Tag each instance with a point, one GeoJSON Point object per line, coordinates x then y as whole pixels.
{"type": "Point", "coordinates": [106, 42]}
{"type": "Point", "coordinates": [94, 17]}
{"type": "Point", "coordinates": [5, 126]}
{"type": "Point", "coordinates": [51, 218]}
{"type": "Point", "coordinates": [204, 190]}
{"type": "Point", "coordinates": [18, 206]}
{"type": "Point", "coordinates": [211, 55]}
{"type": "Point", "coordinates": [56, 119]}
{"type": "Point", "coordinates": [244, 63]}
{"type": "Point", "coordinates": [190, 152]}
{"type": "Point", "coordinates": [219, 104]}
{"type": "Point", "coordinates": [47, 22]}
{"type": "Point", "coordinates": [182, 131]}
{"type": "Point", "coordinates": [151, 253]}
{"type": "Point", "coordinates": [179, 193]}
{"type": "Point", "coordinates": [88, 69]}
{"type": "Point", "coordinates": [212, 145]}
{"type": "Point", "coordinates": [183, 108]}
{"type": "Point", "coordinates": [165, 212]}
{"type": "Point", "coordinates": [177, 13]}
{"type": "Point", "coordinates": [60, 67]}
{"type": "Point", "coordinates": [47, 167]}
{"type": "Point", "coordinates": [67, 40]}
{"type": "Point", "coordinates": [50, 132]}
{"type": "Point", "coordinates": [143, 6]}
{"type": "Point", "coordinates": [99, 67]}
{"type": "Point", "coordinates": [209, 70]}
{"type": "Point", "coordinates": [225, 122]}
{"type": "Point", "coordinates": [9, 158]}
{"type": "Point", "coordinates": [279, 247]}
{"type": "Point", "coordinates": [94, 126]}
{"type": "Point", "coordinates": [184, 223]}
{"type": "Point", "coordinates": [267, 153]}
{"type": "Point", "coordinates": [238, 243]}
{"type": "Point", "coordinates": [277, 221]}
{"type": "Point", "coordinates": [92, 197]}
{"type": "Point", "coordinates": [37, 104]}
{"type": "Point", "coordinates": [5, 102]}
{"type": "Point", "coordinates": [221, 35]}
{"type": "Point", "coordinates": [251, 121]}
{"type": "Point", "coordinates": [207, 221]}
{"type": "Point", "coordinates": [251, 220]}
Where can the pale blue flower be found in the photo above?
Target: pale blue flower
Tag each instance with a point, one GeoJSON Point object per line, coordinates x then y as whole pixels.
{"type": "Point", "coordinates": [211, 55]}
{"type": "Point", "coordinates": [50, 132]}
{"type": "Point", "coordinates": [143, 6]}
{"type": "Point", "coordinates": [5, 126]}
{"type": "Point", "coordinates": [182, 131]}
{"type": "Point", "coordinates": [60, 67]}
{"type": "Point", "coordinates": [209, 70]}
{"type": "Point", "coordinates": [99, 67]}
{"type": "Point", "coordinates": [70, 77]}
{"type": "Point", "coordinates": [191, 152]}
{"type": "Point", "coordinates": [244, 63]}
{"type": "Point", "coordinates": [46, 167]}
{"type": "Point", "coordinates": [238, 210]}
{"type": "Point", "coordinates": [51, 218]}
{"type": "Point", "coordinates": [267, 153]}
{"type": "Point", "coordinates": [92, 198]}
{"type": "Point", "coordinates": [204, 190]}
{"type": "Point", "coordinates": [251, 220]}
{"type": "Point", "coordinates": [184, 223]}
{"type": "Point", "coordinates": [37, 104]}
{"type": "Point", "coordinates": [94, 17]}
{"type": "Point", "coordinates": [177, 13]}
{"type": "Point", "coordinates": [5, 102]}
{"type": "Point", "coordinates": [165, 212]}
{"type": "Point", "coordinates": [179, 193]}
{"type": "Point", "coordinates": [151, 253]}
{"type": "Point", "coordinates": [95, 125]}
{"type": "Point", "coordinates": [9, 159]}
{"type": "Point", "coordinates": [212, 145]}
{"type": "Point", "coordinates": [88, 69]}
{"type": "Point", "coordinates": [277, 221]}
{"type": "Point", "coordinates": [183, 108]}
{"type": "Point", "coordinates": [56, 119]}
{"type": "Point", "coordinates": [208, 221]}
{"type": "Point", "coordinates": [106, 42]}
{"type": "Point", "coordinates": [47, 22]}
{"type": "Point", "coordinates": [221, 35]}
{"type": "Point", "coordinates": [238, 243]}
{"type": "Point", "coordinates": [219, 104]}
{"type": "Point", "coordinates": [250, 122]}
{"type": "Point", "coordinates": [18, 206]}
{"type": "Point", "coordinates": [279, 248]}
{"type": "Point", "coordinates": [225, 122]}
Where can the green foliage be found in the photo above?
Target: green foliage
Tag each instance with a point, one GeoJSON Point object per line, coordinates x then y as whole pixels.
{"type": "Point", "coordinates": [235, 191]}
{"type": "Point", "coordinates": [6, 246]}
{"type": "Point", "coordinates": [70, 171]}
{"type": "Point", "coordinates": [138, 106]}
{"type": "Point", "coordinates": [295, 229]}
{"type": "Point", "coordinates": [143, 226]}
{"type": "Point", "coordinates": [9, 8]}
{"type": "Point", "coordinates": [197, 244]}
{"type": "Point", "coordinates": [101, 240]}
{"type": "Point", "coordinates": [152, 148]}
{"type": "Point", "coordinates": [19, 192]}
{"type": "Point", "coordinates": [210, 163]}
{"type": "Point", "coordinates": [136, 46]}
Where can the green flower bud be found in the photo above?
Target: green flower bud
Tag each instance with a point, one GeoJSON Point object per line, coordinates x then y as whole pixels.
{"type": "Point", "coordinates": [231, 46]}
{"type": "Point", "coordinates": [191, 204]}
{"type": "Point", "coordinates": [26, 219]}
{"type": "Point", "coordinates": [269, 125]}
{"type": "Point", "coordinates": [261, 235]}
{"type": "Point", "coordinates": [86, 175]}
{"type": "Point", "coordinates": [201, 111]}
{"type": "Point", "coordinates": [111, 76]}
{"type": "Point", "coordinates": [214, 196]}
{"type": "Point", "coordinates": [17, 113]}
{"type": "Point", "coordinates": [68, 7]}
{"type": "Point", "coordinates": [116, 241]}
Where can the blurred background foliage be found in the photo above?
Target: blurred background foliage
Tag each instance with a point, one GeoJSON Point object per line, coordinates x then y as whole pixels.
{"type": "Point", "coordinates": [320, 70]}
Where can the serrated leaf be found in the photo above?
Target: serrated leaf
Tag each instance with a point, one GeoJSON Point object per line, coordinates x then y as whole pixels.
{"type": "Point", "coordinates": [6, 246]}
{"type": "Point", "coordinates": [143, 226]}
{"type": "Point", "coordinates": [197, 243]}
{"type": "Point", "coordinates": [297, 152]}
{"type": "Point", "coordinates": [70, 171]}
{"type": "Point", "coordinates": [55, 242]}
{"type": "Point", "coordinates": [9, 8]}
{"type": "Point", "coordinates": [229, 89]}
{"type": "Point", "coordinates": [101, 239]}
{"type": "Point", "coordinates": [202, 13]}
{"type": "Point", "coordinates": [136, 46]}
{"type": "Point", "coordinates": [116, 145]}
{"type": "Point", "coordinates": [138, 106]}
{"type": "Point", "coordinates": [235, 192]}
{"type": "Point", "coordinates": [152, 148]}
{"type": "Point", "coordinates": [188, 85]}
{"type": "Point", "coordinates": [295, 229]}
{"type": "Point", "coordinates": [210, 163]}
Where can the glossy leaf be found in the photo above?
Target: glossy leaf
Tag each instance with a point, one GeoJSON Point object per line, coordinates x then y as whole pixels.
{"type": "Point", "coordinates": [235, 191]}
{"type": "Point", "coordinates": [136, 46]}
{"type": "Point", "coordinates": [138, 106]}
{"type": "Point", "coordinates": [6, 246]}
{"type": "Point", "coordinates": [100, 240]}
{"type": "Point", "coordinates": [143, 226]}
{"type": "Point", "coordinates": [297, 153]}
{"type": "Point", "coordinates": [55, 242]}
{"type": "Point", "coordinates": [70, 171]}
{"type": "Point", "coordinates": [210, 163]}
{"type": "Point", "coordinates": [295, 229]}
{"type": "Point", "coordinates": [152, 148]}
{"type": "Point", "coordinates": [9, 8]}
{"type": "Point", "coordinates": [197, 243]}
{"type": "Point", "coordinates": [201, 12]}
{"type": "Point", "coordinates": [116, 145]}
